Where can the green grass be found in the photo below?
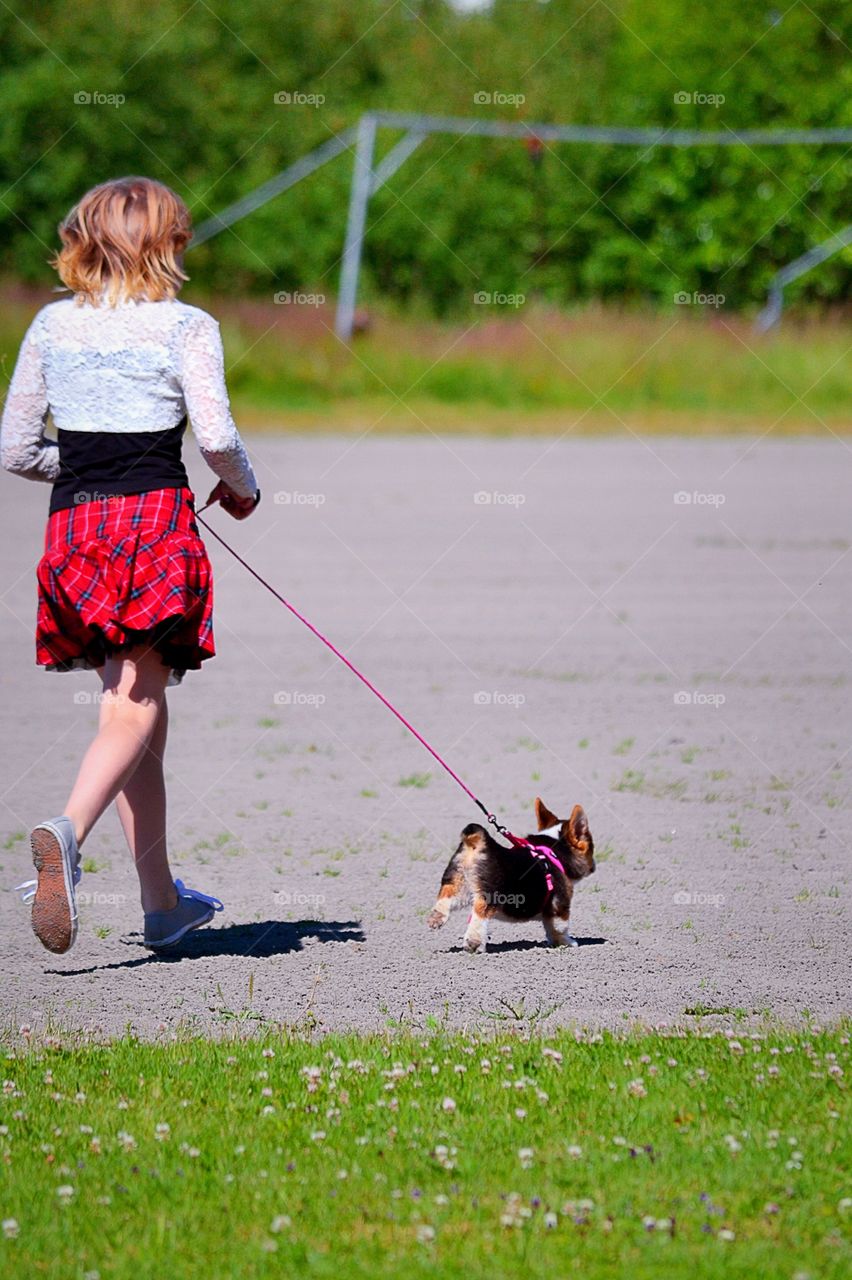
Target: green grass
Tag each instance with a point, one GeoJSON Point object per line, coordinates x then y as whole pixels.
{"type": "Point", "coordinates": [419, 780]}
{"type": "Point", "coordinates": [595, 370]}
{"type": "Point", "coordinates": [428, 1154]}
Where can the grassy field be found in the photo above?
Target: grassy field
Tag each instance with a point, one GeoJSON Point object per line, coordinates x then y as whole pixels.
{"type": "Point", "coordinates": [694, 370]}
{"type": "Point", "coordinates": [428, 1154]}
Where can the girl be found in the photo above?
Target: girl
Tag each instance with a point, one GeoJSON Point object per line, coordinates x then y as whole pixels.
{"type": "Point", "coordinates": [124, 585]}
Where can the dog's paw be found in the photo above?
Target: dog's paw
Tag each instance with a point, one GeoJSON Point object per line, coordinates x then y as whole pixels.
{"type": "Point", "coordinates": [565, 940]}
{"type": "Point", "coordinates": [436, 919]}
{"type": "Point", "coordinates": [474, 946]}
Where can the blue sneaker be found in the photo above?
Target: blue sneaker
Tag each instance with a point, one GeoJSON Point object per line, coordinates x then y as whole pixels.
{"type": "Point", "coordinates": [57, 860]}
{"type": "Point", "coordinates": [165, 928]}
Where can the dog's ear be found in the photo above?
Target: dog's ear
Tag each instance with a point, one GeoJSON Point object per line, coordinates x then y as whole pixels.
{"type": "Point", "coordinates": [576, 829]}
{"type": "Point", "coordinates": [543, 816]}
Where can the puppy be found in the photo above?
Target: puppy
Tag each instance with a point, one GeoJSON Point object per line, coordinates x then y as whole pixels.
{"type": "Point", "coordinates": [512, 884]}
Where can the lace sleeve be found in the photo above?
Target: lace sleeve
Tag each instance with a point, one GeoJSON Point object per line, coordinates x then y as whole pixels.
{"type": "Point", "coordinates": [202, 375]}
{"type": "Point", "coordinates": [24, 448]}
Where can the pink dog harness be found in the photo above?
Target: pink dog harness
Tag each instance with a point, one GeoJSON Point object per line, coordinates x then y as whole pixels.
{"type": "Point", "coordinates": [541, 852]}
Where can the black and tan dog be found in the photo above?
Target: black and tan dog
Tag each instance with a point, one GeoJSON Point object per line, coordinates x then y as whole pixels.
{"type": "Point", "coordinates": [512, 884]}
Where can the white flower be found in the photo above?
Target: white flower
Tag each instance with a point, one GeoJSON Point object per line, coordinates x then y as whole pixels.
{"type": "Point", "coordinates": [550, 1220]}
{"type": "Point", "coordinates": [725, 1234]}
{"type": "Point", "coordinates": [162, 1132]}
{"type": "Point", "coordinates": [425, 1233]}
{"type": "Point", "coordinates": [525, 1155]}
{"type": "Point", "coordinates": [574, 1152]}
{"type": "Point", "coordinates": [10, 1228]}
{"type": "Point", "coordinates": [448, 1105]}
{"type": "Point", "coordinates": [280, 1223]}
{"type": "Point", "coordinates": [65, 1194]}
{"type": "Point", "coordinates": [127, 1140]}
{"type": "Point", "coordinates": [732, 1144]}
{"type": "Point", "coordinates": [318, 1135]}
{"type": "Point", "coordinates": [637, 1088]}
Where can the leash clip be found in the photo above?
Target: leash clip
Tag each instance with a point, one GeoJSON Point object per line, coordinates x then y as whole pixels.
{"type": "Point", "coordinates": [492, 818]}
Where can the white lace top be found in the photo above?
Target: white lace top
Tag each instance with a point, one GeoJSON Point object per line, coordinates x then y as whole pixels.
{"type": "Point", "coordinates": [137, 367]}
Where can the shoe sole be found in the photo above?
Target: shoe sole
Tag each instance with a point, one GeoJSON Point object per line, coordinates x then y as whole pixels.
{"type": "Point", "coordinates": [54, 917]}
{"type": "Point", "coordinates": [181, 933]}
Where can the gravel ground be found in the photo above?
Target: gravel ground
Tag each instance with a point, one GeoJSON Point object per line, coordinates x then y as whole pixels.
{"type": "Point", "coordinates": [557, 623]}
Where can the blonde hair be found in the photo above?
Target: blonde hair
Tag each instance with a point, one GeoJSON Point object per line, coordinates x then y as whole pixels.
{"type": "Point", "coordinates": [123, 239]}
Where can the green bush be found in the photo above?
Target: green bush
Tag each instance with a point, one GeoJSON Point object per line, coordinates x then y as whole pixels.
{"type": "Point", "coordinates": [463, 214]}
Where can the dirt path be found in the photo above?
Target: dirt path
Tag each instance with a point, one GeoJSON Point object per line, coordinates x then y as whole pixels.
{"type": "Point", "coordinates": [541, 639]}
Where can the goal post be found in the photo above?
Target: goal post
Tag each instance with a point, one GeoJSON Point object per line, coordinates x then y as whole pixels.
{"type": "Point", "coordinates": [368, 178]}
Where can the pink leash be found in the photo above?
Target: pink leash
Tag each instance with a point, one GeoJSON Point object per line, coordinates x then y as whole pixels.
{"type": "Point", "coordinates": [538, 850]}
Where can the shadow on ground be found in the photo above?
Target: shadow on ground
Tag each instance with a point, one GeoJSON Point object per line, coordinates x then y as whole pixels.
{"type": "Point", "coordinates": [529, 944]}
{"type": "Point", "coordinates": [263, 939]}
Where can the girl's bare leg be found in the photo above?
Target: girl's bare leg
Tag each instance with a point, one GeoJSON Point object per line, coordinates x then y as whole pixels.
{"type": "Point", "coordinates": [134, 686]}
{"type": "Point", "coordinates": [142, 809]}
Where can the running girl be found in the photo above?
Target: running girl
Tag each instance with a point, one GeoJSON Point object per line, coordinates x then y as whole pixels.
{"type": "Point", "coordinates": [124, 585]}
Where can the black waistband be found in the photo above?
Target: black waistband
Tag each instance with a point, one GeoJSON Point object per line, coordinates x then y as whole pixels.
{"type": "Point", "coordinates": [104, 464]}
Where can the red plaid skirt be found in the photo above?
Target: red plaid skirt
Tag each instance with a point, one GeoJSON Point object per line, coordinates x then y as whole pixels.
{"type": "Point", "coordinates": [121, 571]}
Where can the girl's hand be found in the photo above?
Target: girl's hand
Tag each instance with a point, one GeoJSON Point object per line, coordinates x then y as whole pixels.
{"type": "Point", "coordinates": [235, 506]}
